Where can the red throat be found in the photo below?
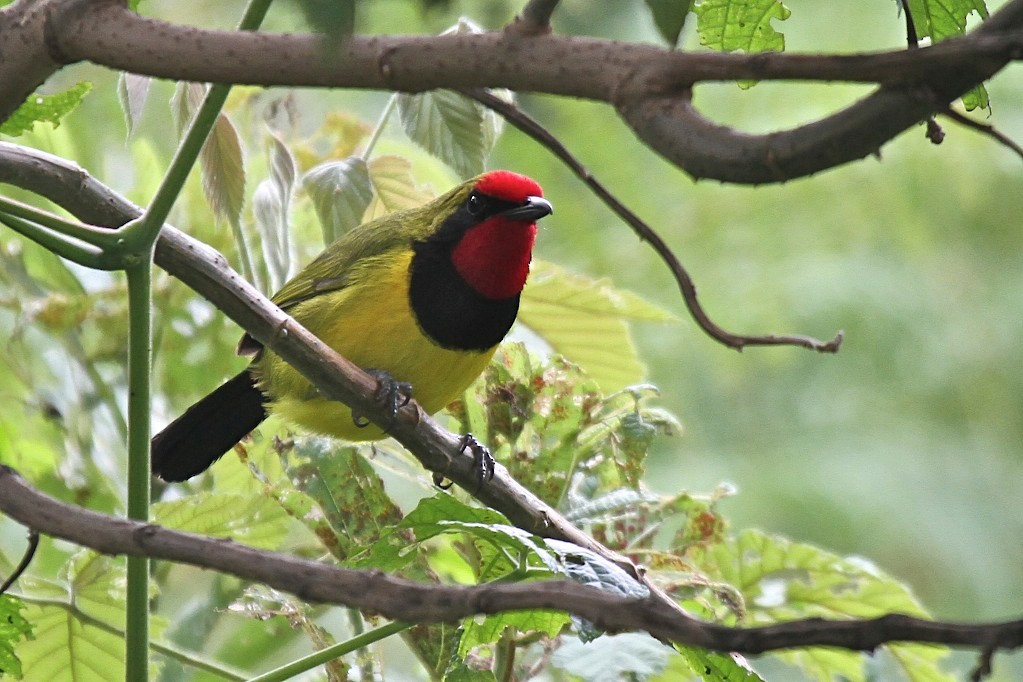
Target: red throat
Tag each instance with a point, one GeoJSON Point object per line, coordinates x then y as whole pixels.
{"type": "Point", "coordinates": [493, 257]}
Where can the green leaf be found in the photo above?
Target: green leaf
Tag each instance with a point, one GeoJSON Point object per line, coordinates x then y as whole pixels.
{"type": "Point", "coordinates": [628, 656]}
{"type": "Point", "coordinates": [394, 188]}
{"type": "Point", "coordinates": [340, 192]}
{"type": "Point", "coordinates": [584, 320]}
{"type": "Point", "coordinates": [729, 25]}
{"type": "Point", "coordinates": [711, 666]}
{"type": "Point", "coordinates": [463, 673]}
{"type": "Point", "coordinates": [250, 519]}
{"type": "Point", "coordinates": [348, 492]}
{"type": "Point", "coordinates": [132, 92]}
{"type": "Point", "coordinates": [44, 108]}
{"type": "Point", "coordinates": [13, 628]}
{"type": "Point", "coordinates": [530, 413]}
{"type": "Point", "coordinates": [782, 580]}
{"type": "Point", "coordinates": [457, 130]}
{"type": "Point", "coordinates": [669, 17]}
{"type": "Point", "coordinates": [449, 126]}
{"type": "Point", "coordinates": [548, 422]}
{"type": "Point", "coordinates": [977, 98]}
{"type": "Point", "coordinates": [505, 547]}
{"type": "Point", "coordinates": [941, 19]}
{"type": "Point", "coordinates": [478, 632]}
{"type": "Point", "coordinates": [628, 518]}
{"type": "Point", "coordinates": [76, 631]}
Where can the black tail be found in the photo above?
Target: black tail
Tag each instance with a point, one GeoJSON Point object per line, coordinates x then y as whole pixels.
{"type": "Point", "coordinates": [208, 429]}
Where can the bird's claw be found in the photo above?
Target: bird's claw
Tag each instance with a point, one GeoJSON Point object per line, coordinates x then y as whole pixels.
{"type": "Point", "coordinates": [483, 463]}
{"type": "Point", "coordinates": [390, 394]}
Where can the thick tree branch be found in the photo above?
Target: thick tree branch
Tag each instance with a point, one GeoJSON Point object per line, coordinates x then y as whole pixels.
{"type": "Point", "coordinates": [648, 85]}
{"type": "Point", "coordinates": [405, 600]}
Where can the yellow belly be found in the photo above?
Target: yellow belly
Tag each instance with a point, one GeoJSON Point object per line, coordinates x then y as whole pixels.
{"type": "Point", "coordinates": [371, 324]}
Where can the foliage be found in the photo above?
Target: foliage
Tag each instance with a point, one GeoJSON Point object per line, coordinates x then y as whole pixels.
{"type": "Point", "coordinates": [44, 108]}
{"type": "Point", "coordinates": [576, 431]}
{"type": "Point", "coordinates": [13, 628]}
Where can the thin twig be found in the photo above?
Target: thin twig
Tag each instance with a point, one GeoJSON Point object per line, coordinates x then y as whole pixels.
{"type": "Point", "coordinates": [984, 128]}
{"type": "Point", "coordinates": [535, 130]}
{"type": "Point", "coordinates": [30, 552]}
{"type": "Point", "coordinates": [912, 38]}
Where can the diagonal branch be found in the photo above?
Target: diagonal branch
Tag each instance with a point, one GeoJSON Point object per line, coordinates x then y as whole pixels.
{"type": "Point", "coordinates": [207, 272]}
{"type": "Point", "coordinates": [531, 127]}
{"type": "Point", "coordinates": [408, 601]}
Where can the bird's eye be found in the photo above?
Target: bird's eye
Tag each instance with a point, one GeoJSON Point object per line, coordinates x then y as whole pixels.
{"type": "Point", "coordinates": [474, 205]}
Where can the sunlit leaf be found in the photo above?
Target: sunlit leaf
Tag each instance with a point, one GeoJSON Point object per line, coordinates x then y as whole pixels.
{"type": "Point", "coordinates": [940, 19]}
{"type": "Point", "coordinates": [783, 580]}
{"type": "Point", "coordinates": [711, 666]}
{"type": "Point", "coordinates": [443, 514]}
{"type": "Point", "coordinates": [253, 520]}
{"type": "Point", "coordinates": [584, 320]}
{"type": "Point", "coordinates": [476, 632]}
{"type": "Point", "coordinates": [394, 187]}
{"type": "Point", "coordinates": [78, 633]}
{"type": "Point", "coordinates": [44, 108]}
{"type": "Point", "coordinates": [340, 192]}
{"type": "Point", "coordinates": [729, 25]}
{"type": "Point", "coordinates": [13, 629]}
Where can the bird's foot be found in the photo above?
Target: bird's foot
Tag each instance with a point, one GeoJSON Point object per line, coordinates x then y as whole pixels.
{"type": "Point", "coordinates": [390, 394]}
{"type": "Point", "coordinates": [483, 463]}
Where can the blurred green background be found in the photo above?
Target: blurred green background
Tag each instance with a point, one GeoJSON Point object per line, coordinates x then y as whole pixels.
{"type": "Point", "coordinates": [907, 446]}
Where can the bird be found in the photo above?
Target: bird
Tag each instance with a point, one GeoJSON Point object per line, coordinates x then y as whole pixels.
{"type": "Point", "coordinates": [419, 298]}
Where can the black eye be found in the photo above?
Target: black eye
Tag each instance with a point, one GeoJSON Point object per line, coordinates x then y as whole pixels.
{"type": "Point", "coordinates": [474, 205]}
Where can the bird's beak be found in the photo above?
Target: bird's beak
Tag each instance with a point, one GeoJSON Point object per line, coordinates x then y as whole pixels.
{"type": "Point", "coordinates": [533, 209]}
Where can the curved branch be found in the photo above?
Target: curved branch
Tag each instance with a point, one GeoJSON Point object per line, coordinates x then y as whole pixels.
{"type": "Point", "coordinates": [531, 127]}
{"type": "Point", "coordinates": [408, 601]}
{"type": "Point", "coordinates": [648, 85]}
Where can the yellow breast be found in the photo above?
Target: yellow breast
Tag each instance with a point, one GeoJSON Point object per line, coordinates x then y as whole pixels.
{"type": "Point", "coordinates": [371, 324]}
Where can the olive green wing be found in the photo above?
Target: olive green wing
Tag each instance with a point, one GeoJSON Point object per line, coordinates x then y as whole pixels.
{"type": "Point", "coordinates": [339, 263]}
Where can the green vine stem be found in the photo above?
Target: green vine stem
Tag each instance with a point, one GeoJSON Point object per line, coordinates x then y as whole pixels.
{"type": "Point", "coordinates": [320, 657]}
